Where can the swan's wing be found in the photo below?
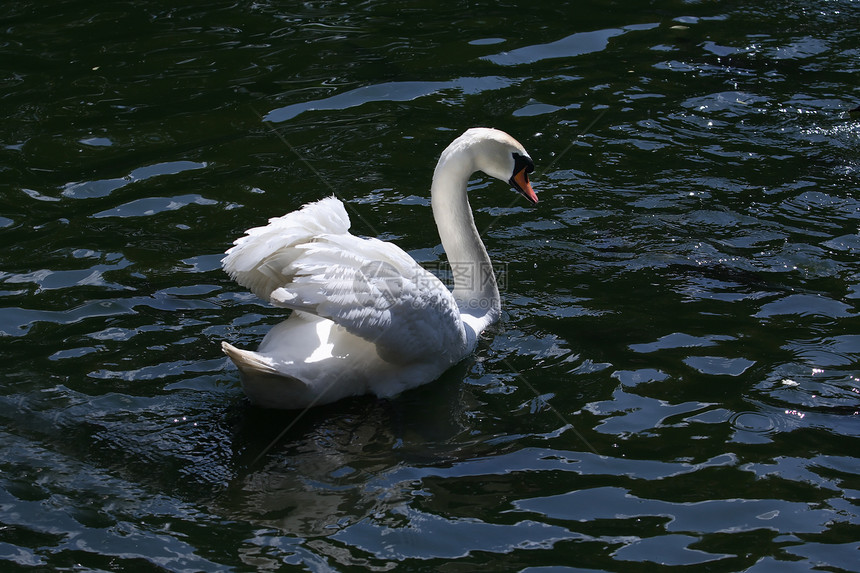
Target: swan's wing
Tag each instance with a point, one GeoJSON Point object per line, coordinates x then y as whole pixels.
{"type": "Point", "coordinates": [371, 288]}
{"type": "Point", "coordinates": [256, 259]}
{"type": "Point", "coordinates": [376, 291]}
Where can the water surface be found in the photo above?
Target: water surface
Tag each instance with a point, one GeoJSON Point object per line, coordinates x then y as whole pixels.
{"type": "Point", "coordinates": [675, 378]}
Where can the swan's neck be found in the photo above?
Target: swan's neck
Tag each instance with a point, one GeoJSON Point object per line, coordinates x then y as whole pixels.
{"type": "Point", "coordinates": [475, 287]}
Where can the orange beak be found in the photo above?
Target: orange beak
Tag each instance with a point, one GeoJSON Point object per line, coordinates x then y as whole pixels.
{"type": "Point", "coordinates": [520, 182]}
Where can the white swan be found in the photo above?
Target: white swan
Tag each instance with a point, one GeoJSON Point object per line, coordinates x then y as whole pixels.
{"type": "Point", "coordinates": [367, 318]}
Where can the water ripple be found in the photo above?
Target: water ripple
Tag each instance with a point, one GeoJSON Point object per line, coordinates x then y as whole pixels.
{"type": "Point", "coordinates": [674, 381]}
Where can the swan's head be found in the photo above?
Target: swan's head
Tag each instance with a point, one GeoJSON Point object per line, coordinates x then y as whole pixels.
{"type": "Point", "coordinates": [501, 156]}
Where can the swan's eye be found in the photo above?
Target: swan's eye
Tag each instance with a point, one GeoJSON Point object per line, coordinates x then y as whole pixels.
{"type": "Point", "coordinates": [523, 162]}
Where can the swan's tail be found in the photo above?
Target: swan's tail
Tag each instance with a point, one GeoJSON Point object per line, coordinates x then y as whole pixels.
{"type": "Point", "coordinates": [264, 384]}
{"type": "Point", "coordinates": [248, 362]}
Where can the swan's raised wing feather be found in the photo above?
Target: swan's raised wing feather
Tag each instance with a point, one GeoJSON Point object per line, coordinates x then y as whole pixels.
{"type": "Point", "coordinates": [371, 288]}
{"type": "Point", "coordinates": [254, 257]}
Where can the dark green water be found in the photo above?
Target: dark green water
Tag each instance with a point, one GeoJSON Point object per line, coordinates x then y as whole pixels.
{"type": "Point", "coordinates": [676, 377]}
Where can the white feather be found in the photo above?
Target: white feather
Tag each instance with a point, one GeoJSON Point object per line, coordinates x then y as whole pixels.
{"type": "Point", "coordinates": [366, 317]}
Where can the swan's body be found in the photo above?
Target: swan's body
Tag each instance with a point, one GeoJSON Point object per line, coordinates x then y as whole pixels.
{"type": "Point", "coordinates": [367, 318]}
